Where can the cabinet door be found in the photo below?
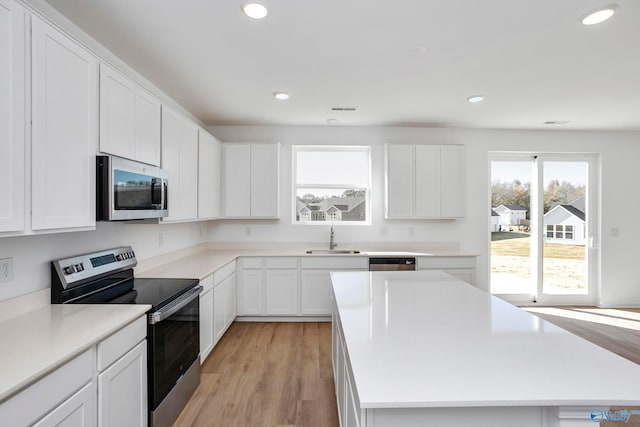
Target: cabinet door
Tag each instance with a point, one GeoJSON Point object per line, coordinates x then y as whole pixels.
{"type": "Point", "coordinates": [12, 120]}
{"type": "Point", "coordinates": [209, 152]}
{"type": "Point", "coordinates": [281, 289]}
{"type": "Point", "coordinates": [315, 292]}
{"type": "Point", "coordinates": [230, 306]}
{"type": "Point", "coordinates": [64, 130]}
{"type": "Point", "coordinates": [400, 181]}
{"type": "Point", "coordinates": [251, 293]}
{"type": "Point", "coordinates": [77, 411]}
{"type": "Point", "coordinates": [180, 159]}
{"type": "Point", "coordinates": [236, 180]}
{"type": "Point", "coordinates": [265, 180]}
{"type": "Point", "coordinates": [147, 128]}
{"type": "Point", "coordinates": [219, 311]}
{"type": "Point", "coordinates": [206, 324]}
{"type": "Point", "coordinates": [122, 391]}
{"type": "Point", "coordinates": [427, 164]}
{"type": "Point", "coordinates": [453, 169]}
{"type": "Point", "coordinates": [117, 113]}
{"type": "Point", "coordinates": [189, 170]}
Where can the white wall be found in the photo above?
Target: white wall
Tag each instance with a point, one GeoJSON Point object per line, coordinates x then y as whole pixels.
{"type": "Point", "coordinates": [32, 254]}
{"type": "Point", "coordinates": [619, 151]}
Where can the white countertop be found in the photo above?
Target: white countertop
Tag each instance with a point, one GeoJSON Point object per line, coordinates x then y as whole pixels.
{"type": "Point", "coordinates": [37, 342]}
{"type": "Point", "coordinates": [205, 262]}
{"type": "Point", "coordinates": [426, 339]}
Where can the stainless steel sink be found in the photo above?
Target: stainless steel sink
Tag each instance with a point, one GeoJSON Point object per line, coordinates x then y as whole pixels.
{"type": "Point", "coordinates": [332, 252]}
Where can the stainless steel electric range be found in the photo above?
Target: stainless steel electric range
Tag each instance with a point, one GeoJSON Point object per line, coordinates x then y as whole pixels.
{"type": "Point", "coordinates": [173, 332]}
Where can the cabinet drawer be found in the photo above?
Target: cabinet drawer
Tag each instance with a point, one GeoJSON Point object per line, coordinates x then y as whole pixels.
{"type": "Point", "coordinates": [40, 398]}
{"type": "Point", "coordinates": [252, 262]}
{"type": "Point", "coordinates": [207, 283]}
{"type": "Point", "coordinates": [113, 347]}
{"type": "Point", "coordinates": [282, 262]}
{"type": "Point", "coordinates": [228, 269]}
{"type": "Point", "coordinates": [441, 262]}
{"type": "Point", "coordinates": [336, 263]}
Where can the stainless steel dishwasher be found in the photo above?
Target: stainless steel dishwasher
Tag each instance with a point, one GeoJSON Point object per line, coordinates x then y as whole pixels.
{"type": "Point", "coordinates": [392, 264]}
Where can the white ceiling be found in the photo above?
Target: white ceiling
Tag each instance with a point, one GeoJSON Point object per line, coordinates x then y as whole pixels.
{"type": "Point", "coordinates": [532, 59]}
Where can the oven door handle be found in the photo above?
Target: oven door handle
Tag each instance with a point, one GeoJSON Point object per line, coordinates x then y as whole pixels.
{"type": "Point", "coordinates": [175, 305]}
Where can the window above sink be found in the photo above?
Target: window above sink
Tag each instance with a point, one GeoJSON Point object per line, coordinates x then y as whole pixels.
{"type": "Point", "coordinates": [331, 184]}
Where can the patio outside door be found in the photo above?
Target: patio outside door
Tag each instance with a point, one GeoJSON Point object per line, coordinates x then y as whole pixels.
{"type": "Point", "coordinates": [542, 233]}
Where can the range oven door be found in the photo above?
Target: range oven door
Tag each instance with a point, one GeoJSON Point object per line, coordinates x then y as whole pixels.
{"type": "Point", "coordinates": [130, 190]}
{"type": "Point", "coordinates": [174, 344]}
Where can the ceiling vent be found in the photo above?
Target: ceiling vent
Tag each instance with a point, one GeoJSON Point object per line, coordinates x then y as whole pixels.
{"type": "Point", "coordinates": [343, 108]}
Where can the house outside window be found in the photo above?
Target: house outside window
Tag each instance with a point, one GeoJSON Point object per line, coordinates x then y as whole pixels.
{"type": "Point", "coordinates": [559, 231]}
{"type": "Point", "coordinates": [331, 184]}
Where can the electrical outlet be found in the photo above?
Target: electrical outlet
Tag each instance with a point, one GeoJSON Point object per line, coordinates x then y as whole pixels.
{"type": "Point", "coordinates": [160, 239]}
{"type": "Point", "coordinates": [6, 270]}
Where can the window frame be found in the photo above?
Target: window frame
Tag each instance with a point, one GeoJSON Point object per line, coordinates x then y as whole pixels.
{"type": "Point", "coordinates": [295, 187]}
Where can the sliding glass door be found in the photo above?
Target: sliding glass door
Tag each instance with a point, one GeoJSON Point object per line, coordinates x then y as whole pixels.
{"type": "Point", "coordinates": [542, 228]}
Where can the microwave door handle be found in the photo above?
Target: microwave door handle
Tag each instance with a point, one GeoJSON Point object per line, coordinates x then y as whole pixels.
{"type": "Point", "coordinates": [164, 194]}
{"type": "Point", "coordinates": [155, 182]}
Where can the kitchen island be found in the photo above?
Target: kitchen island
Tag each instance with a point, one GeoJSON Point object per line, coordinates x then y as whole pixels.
{"type": "Point", "coordinates": [425, 348]}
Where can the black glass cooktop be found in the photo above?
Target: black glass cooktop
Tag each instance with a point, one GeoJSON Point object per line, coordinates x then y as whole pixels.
{"type": "Point", "coordinates": [159, 292]}
{"type": "Point", "coordinates": [123, 288]}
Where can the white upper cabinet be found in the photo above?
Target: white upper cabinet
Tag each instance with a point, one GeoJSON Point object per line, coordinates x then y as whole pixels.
{"type": "Point", "coordinates": [129, 118]}
{"type": "Point", "coordinates": [180, 159]}
{"type": "Point", "coordinates": [265, 170]}
{"type": "Point", "coordinates": [424, 181]}
{"type": "Point", "coordinates": [12, 118]}
{"type": "Point", "coordinates": [209, 156]}
{"type": "Point", "coordinates": [64, 130]}
{"type": "Point", "coordinates": [400, 181]}
{"type": "Point", "coordinates": [452, 176]}
{"type": "Point", "coordinates": [251, 180]}
{"type": "Point", "coordinates": [236, 181]}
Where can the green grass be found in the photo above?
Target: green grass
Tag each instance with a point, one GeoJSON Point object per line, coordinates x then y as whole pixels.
{"type": "Point", "coordinates": [518, 244]}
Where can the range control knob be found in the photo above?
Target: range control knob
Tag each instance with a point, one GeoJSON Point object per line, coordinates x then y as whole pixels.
{"type": "Point", "coordinates": [69, 270]}
{"type": "Point", "coordinates": [119, 257]}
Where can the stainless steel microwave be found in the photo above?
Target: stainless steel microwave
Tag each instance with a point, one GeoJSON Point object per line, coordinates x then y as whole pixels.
{"type": "Point", "coordinates": [127, 190]}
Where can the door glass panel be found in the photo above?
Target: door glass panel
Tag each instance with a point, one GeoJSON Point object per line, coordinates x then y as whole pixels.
{"type": "Point", "coordinates": [511, 227]}
{"type": "Point", "coordinates": [564, 264]}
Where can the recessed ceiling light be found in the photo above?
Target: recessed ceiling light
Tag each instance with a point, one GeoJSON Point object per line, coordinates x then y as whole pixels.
{"type": "Point", "coordinates": [599, 15]}
{"type": "Point", "coordinates": [475, 99]}
{"type": "Point", "coordinates": [417, 50]}
{"type": "Point", "coordinates": [332, 121]}
{"type": "Point", "coordinates": [255, 10]}
{"type": "Point", "coordinates": [281, 96]}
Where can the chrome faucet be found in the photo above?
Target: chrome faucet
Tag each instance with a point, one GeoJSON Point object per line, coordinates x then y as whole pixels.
{"type": "Point", "coordinates": [332, 242]}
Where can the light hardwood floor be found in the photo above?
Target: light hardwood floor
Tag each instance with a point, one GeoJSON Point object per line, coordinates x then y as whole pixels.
{"type": "Point", "coordinates": [266, 374]}
{"type": "Point", "coordinates": [279, 374]}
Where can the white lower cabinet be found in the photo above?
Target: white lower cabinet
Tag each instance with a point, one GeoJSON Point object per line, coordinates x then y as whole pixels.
{"type": "Point", "coordinates": [104, 386]}
{"type": "Point", "coordinates": [224, 300]}
{"type": "Point", "coordinates": [462, 267]}
{"type": "Point", "coordinates": [290, 286]}
{"type": "Point", "coordinates": [77, 411]}
{"type": "Point", "coordinates": [122, 390]}
{"type": "Point", "coordinates": [350, 414]}
{"type": "Point", "coordinates": [281, 287]}
{"type": "Point", "coordinates": [315, 281]}
{"type": "Point", "coordinates": [206, 318]}
{"type": "Point", "coordinates": [217, 307]}
{"type": "Point", "coordinates": [315, 292]}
